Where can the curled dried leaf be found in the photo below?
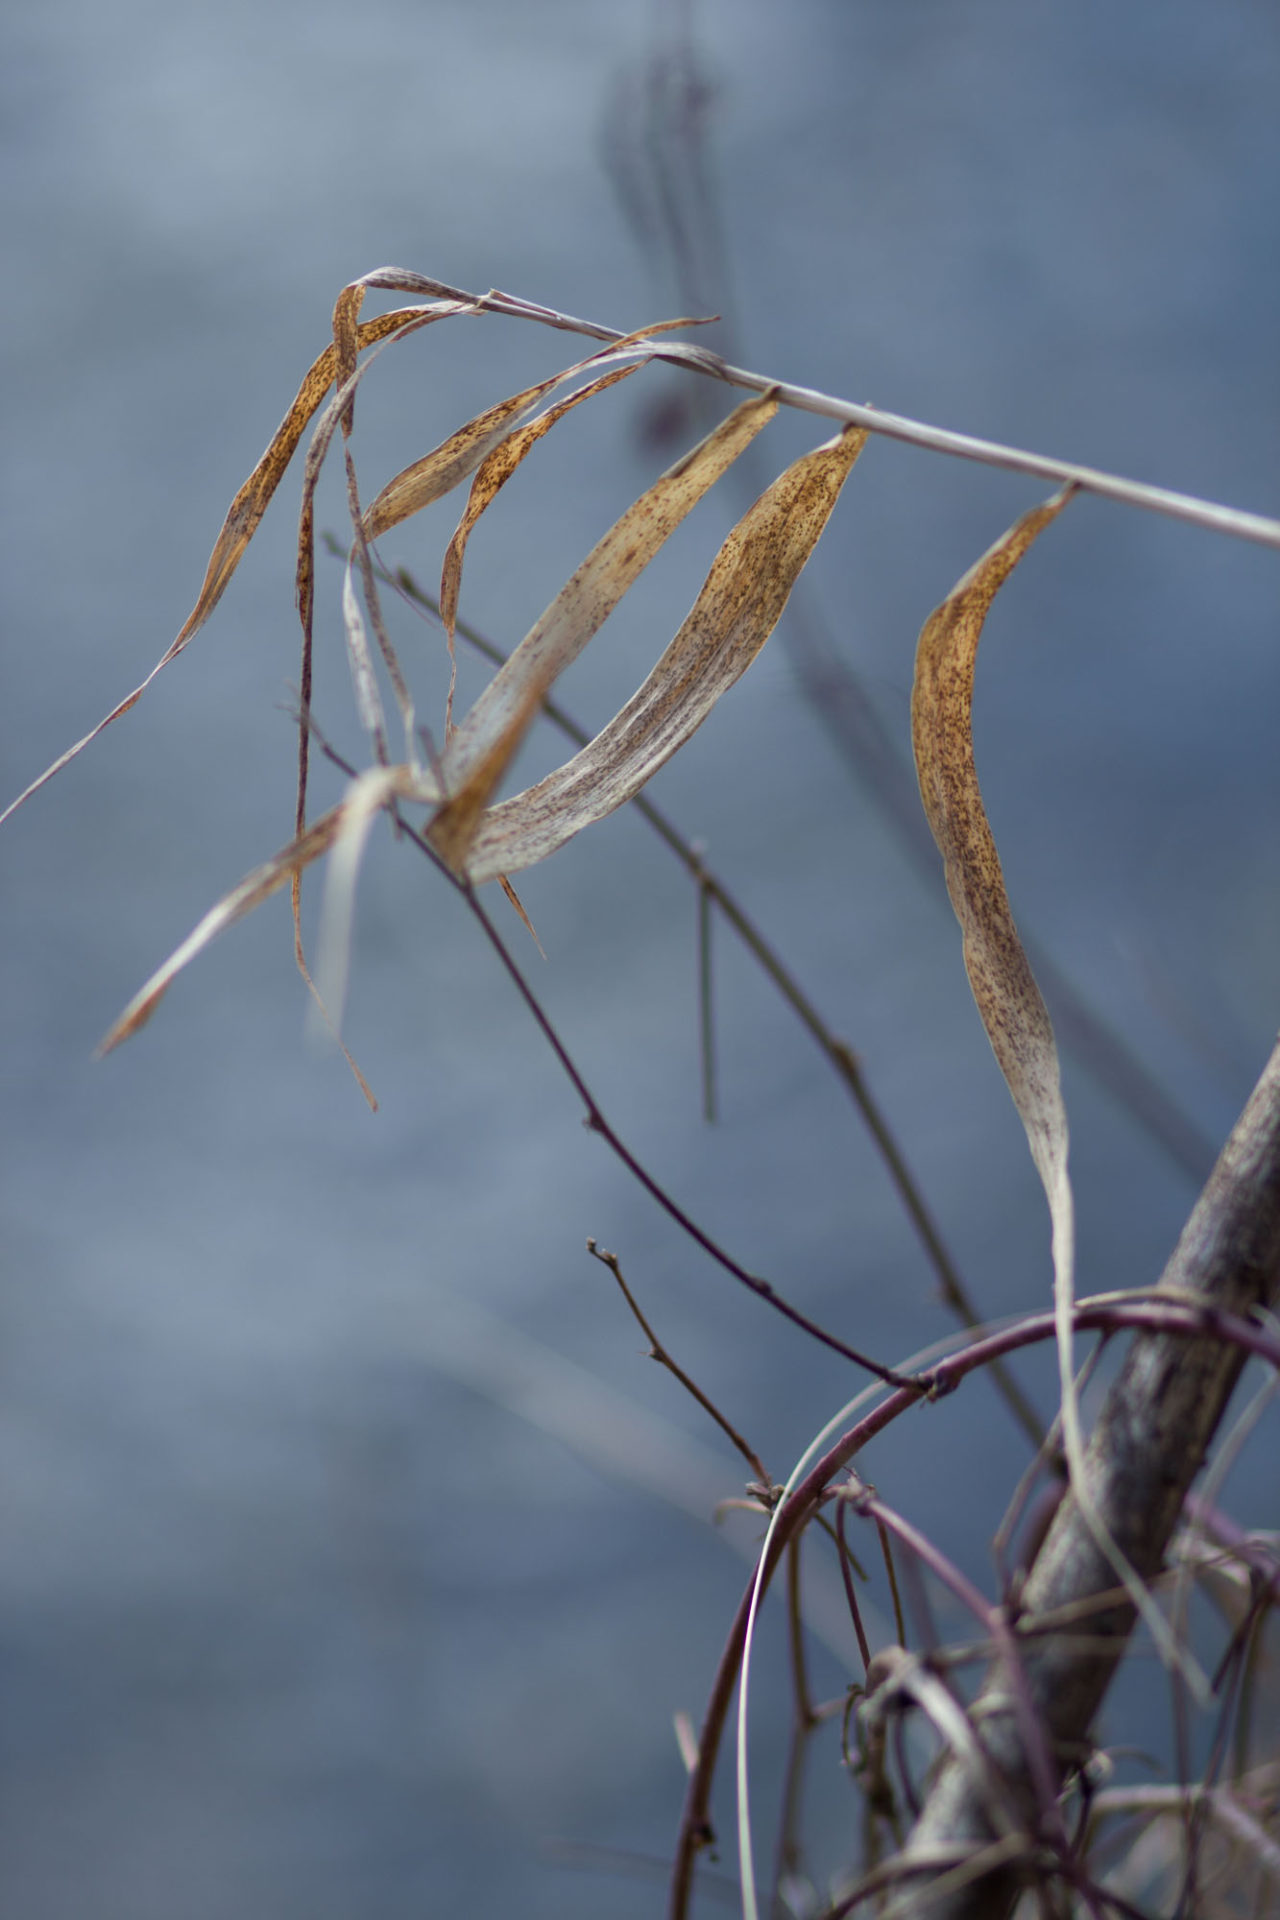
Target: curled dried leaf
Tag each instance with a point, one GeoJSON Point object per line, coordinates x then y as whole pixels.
{"type": "Point", "coordinates": [1004, 987]}
{"type": "Point", "coordinates": [344, 828]}
{"type": "Point", "coordinates": [476, 757]}
{"type": "Point", "coordinates": [447, 465]}
{"type": "Point", "coordinates": [242, 899]}
{"type": "Point", "coordinates": [735, 612]}
{"type": "Point", "coordinates": [492, 475]}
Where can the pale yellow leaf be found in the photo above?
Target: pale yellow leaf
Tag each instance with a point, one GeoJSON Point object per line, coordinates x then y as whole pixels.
{"type": "Point", "coordinates": [1004, 987]}
{"type": "Point", "coordinates": [734, 614]}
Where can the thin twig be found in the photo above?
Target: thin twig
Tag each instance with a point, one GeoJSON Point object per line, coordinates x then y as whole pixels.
{"type": "Point", "coordinates": [659, 1353]}
{"type": "Point", "coordinates": [706, 1005]}
{"type": "Point", "coordinates": [596, 1121]}
{"type": "Point", "coordinates": [839, 1054]}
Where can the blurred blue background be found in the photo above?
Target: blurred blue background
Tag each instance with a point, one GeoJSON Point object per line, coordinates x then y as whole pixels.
{"type": "Point", "coordinates": [354, 1555]}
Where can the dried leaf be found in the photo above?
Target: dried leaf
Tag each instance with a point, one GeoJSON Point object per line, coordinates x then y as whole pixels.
{"type": "Point", "coordinates": [244, 516]}
{"type": "Point", "coordinates": [447, 465]}
{"type": "Point", "coordinates": [734, 614]}
{"type": "Point", "coordinates": [494, 471]}
{"type": "Point", "coordinates": [476, 757]}
{"type": "Point", "coordinates": [250, 893]}
{"type": "Point", "coordinates": [345, 825]}
{"type": "Point", "coordinates": [1004, 987]}
{"type": "Point", "coordinates": [364, 680]}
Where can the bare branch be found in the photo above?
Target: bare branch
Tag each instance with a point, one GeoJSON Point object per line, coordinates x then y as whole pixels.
{"type": "Point", "coordinates": [1149, 1443]}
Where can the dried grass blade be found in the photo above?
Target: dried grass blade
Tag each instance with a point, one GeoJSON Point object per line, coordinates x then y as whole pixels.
{"type": "Point", "coordinates": [447, 465]}
{"type": "Point", "coordinates": [372, 790]}
{"type": "Point", "coordinates": [364, 679]}
{"type": "Point", "coordinates": [1004, 987]}
{"type": "Point", "coordinates": [735, 612]}
{"type": "Point", "coordinates": [241, 522]}
{"type": "Point", "coordinates": [479, 752]}
{"type": "Point", "coordinates": [492, 475]}
{"type": "Point", "coordinates": [249, 505]}
{"type": "Point", "coordinates": [242, 899]}
{"type": "Point", "coordinates": [363, 800]}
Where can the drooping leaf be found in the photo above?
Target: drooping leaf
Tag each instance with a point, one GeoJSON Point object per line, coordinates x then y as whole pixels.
{"type": "Point", "coordinates": [1004, 987]}
{"type": "Point", "coordinates": [735, 612]}
{"type": "Point", "coordinates": [372, 790]}
{"type": "Point", "coordinates": [245, 514]}
{"type": "Point", "coordinates": [475, 759]}
{"type": "Point", "coordinates": [242, 899]}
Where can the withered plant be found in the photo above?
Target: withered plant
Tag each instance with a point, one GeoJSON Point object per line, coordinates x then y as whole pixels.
{"type": "Point", "coordinates": [979, 1782]}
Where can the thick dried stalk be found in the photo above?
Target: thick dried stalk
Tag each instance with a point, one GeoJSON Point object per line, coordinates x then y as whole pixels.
{"type": "Point", "coordinates": [1150, 1442]}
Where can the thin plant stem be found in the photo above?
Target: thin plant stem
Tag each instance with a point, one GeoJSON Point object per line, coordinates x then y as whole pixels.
{"type": "Point", "coordinates": [706, 1006]}
{"type": "Point", "coordinates": [1208, 514]}
{"type": "Point", "coordinates": [596, 1122]}
{"type": "Point", "coordinates": [659, 1353]}
{"type": "Point", "coordinates": [839, 1054]}
{"type": "Point", "coordinates": [805, 1719]}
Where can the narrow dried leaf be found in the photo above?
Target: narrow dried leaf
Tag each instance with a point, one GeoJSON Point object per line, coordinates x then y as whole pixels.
{"type": "Point", "coordinates": [363, 800]}
{"type": "Point", "coordinates": [479, 752]}
{"type": "Point", "coordinates": [447, 465]}
{"type": "Point", "coordinates": [494, 471]}
{"type": "Point", "coordinates": [364, 680]}
{"type": "Point", "coordinates": [736, 611]}
{"type": "Point", "coordinates": [1004, 987]}
{"type": "Point", "coordinates": [372, 790]}
{"type": "Point", "coordinates": [250, 893]}
{"type": "Point", "coordinates": [243, 518]}
{"type": "Point", "coordinates": [321, 440]}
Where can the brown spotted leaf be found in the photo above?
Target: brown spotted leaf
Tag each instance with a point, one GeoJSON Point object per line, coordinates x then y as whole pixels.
{"type": "Point", "coordinates": [446, 466]}
{"type": "Point", "coordinates": [1004, 987]}
{"type": "Point", "coordinates": [245, 513]}
{"type": "Point", "coordinates": [735, 612]}
{"type": "Point", "coordinates": [476, 757]}
{"type": "Point", "coordinates": [492, 475]}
